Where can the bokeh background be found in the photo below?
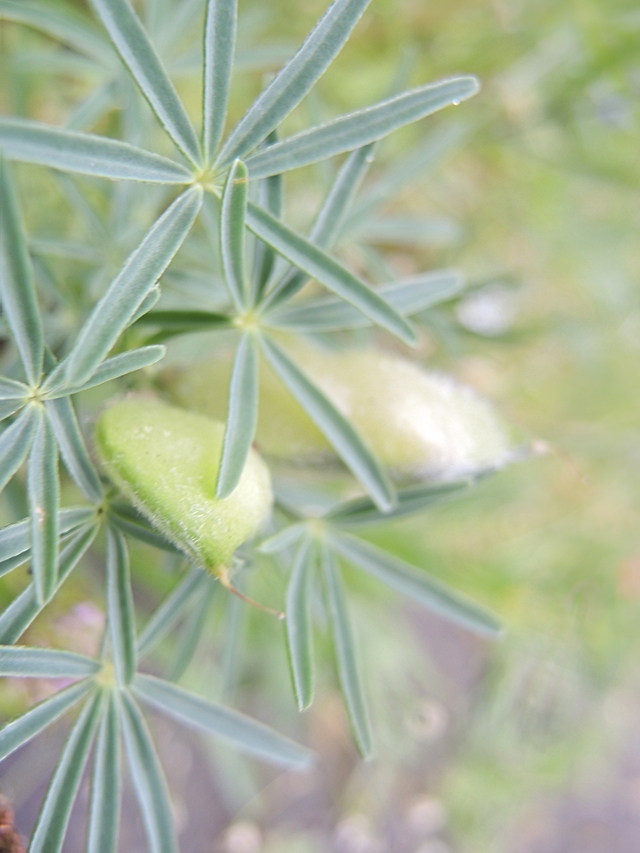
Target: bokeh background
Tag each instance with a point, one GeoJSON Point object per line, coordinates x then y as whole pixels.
{"type": "Point", "coordinates": [530, 745]}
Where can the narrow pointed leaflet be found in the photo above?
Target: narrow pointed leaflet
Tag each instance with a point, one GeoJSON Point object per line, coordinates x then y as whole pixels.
{"type": "Point", "coordinates": [297, 77]}
{"type": "Point", "coordinates": [242, 416]}
{"type": "Point", "coordinates": [138, 54]}
{"type": "Point", "coordinates": [219, 48]}
{"type": "Point", "coordinates": [232, 223]}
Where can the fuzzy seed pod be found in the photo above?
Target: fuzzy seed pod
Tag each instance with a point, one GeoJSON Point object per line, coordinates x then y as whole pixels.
{"type": "Point", "coordinates": [421, 424]}
{"type": "Point", "coordinates": [165, 460]}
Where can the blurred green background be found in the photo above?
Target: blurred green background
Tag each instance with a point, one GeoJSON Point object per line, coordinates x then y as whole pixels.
{"type": "Point", "coordinates": [531, 745]}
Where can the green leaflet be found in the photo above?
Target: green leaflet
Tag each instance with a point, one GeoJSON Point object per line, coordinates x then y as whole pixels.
{"type": "Point", "coordinates": [298, 624]}
{"type": "Point", "coordinates": [219, 49]}
{"type": "Point", "coordinates": [293, 82]}
{"type": "Point", "coordinates": [242, 417]}
{"type": "Point", "coordinates": [32, 142]}
{"type": "Point", "coordinates": [243, 732]}
{"type": "Point", "coordinates": [359, 128]}
{"type": "Point", "coordinates": [16, 280]}
{"type": "Point", "coordinates": [138, 54]}
{"type": "Point", "coordinates": [335, 426]}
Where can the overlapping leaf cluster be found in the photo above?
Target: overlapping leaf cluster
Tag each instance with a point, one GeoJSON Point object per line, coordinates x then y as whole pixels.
{"type": "Point", "coordinates": [250, 265]}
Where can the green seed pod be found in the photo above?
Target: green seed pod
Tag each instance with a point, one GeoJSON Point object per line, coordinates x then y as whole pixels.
{"type": "Point", "coordinates": [165, 460]}
{"type": "Point", "coordinates": [420, 423]}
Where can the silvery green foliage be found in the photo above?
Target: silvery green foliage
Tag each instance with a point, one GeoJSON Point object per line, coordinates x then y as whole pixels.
{"type": "Point", "coordinates": [240, 279]}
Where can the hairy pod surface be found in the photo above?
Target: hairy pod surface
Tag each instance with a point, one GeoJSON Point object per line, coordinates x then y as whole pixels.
{"type": "Point", "coordinates": [420, 423]}
{"type": "Point", "coordinates": [166, 460]}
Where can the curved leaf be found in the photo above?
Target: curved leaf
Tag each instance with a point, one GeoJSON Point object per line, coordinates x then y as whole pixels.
{"type": "Point", "coordinates": [16, 538]}
{"type": "Point", "coordinates": [297, 77]}
{"type": "Point", "coordinates": [171, 610]}
{"type": "Point", "coordinates": [232, 218]}
{"type": "Point", "coordinates": [114, 368]}
{"type": "Point", "coordinates": [28, 662]}
{"type": "Point", "coordinates": [31, 142]}
{"type": "Point", "coordinates": [346, 657]}
{"type": "Point", "coordinates": [74, 452]}
{"type": "Point", "coordinates": [327, 314]}
{"type": "Point", "coordinates": [362, 511]}
{"type": "Point", "coordinates": [138, 54]}
{"type": "Point", "coordinates": [15, 442]}
{"type": "Point", "coordinates": [243, 732]}
{"type": "Point", "coordinates": [16, 281]}
{"type": "Point", "coordinates": [143, 268]}
{"type": "Point", "coordinates": [317, 264]}
{"type": "Point", "coordinates": [298, 624]}
{"type": "Point", "coordinates": [219, 47]}
{"type": "Point", "coordinates": [41, 716]}
{"type": "Point", "coordinates": [104, 807]}
{"type": "Point", "coordinates": [120, 608]}
{"type": "Point", "coordinates": [15, 620]}
{"type": "Point", "coordinates": [416, 584]}
{"type": "Point", "coordinates": [44, 495]}
{"type": "Point", "coordinates": [359, 128]}
{"type": "Point", "coordinates": [241, 418]}
{"type": "Point", "coordinates": [339, 431]}
{"type": "Point", "coordinates": [51, 826]}
{"type": "Point", "coordinates": [148, 779]}
{"type": "Point", "coordinates": [62, 23]}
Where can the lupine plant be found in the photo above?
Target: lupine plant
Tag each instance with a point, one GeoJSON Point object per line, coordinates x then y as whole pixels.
{"type": "Point", "coordinates": [218, 246]}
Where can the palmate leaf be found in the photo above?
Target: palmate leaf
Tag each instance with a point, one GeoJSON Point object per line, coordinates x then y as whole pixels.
{"type": "Point", "coordinates": [232, 219]}
{"type": "Point", "coordinates": [359, 128]}
{"type": "Point", "coordinates": [15, 442]}
{"type": "Point", "coordinates": [327, 314]}
{"type": "Point", "coordinates": [16, 281]}
{"type": "Point", "coordinates": [416, 584]}
{"type": "Point", "coordinates": [104, 807]}
{"type": "Point", "coordinates": [120, 608]}
{"type": "Point", "coordinates": [172, 609]}
{"type": "Point", "coordinates": [325, 269]}
{"type": "Point", "coordinates": [148, 778]}
{"type": "Point", "coordinates": [338, 430]}
{"type": "Point", "coordinates": [44, 489]}
{"type": "Point", "coordinates": [219, 48]}
{"type": "Point", "coordinates": [141, 271]}
{"type": "Point", "coordinates": [298, 623]}
{"type": "Point", "coordinates": [242, 416]}
{"type": "Point", "coordinates": [138, 54]}
{"type": "Point", "coordinates": [51, 826]}
{"type": "Point", "coordinates": [25, 727]}
{"type": "Point", "coordinates": [31, 142]}
{"type": "Point", "coordinates": [63, 23]}
{"type": "Point", "coordinates": [293, 82]}
{"type": "Point", "coordinates": [15, 620]}
{"type": "Point", "coordinates": [345, 651]}
{"type": "Point", "coordinates": [246, 734]}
